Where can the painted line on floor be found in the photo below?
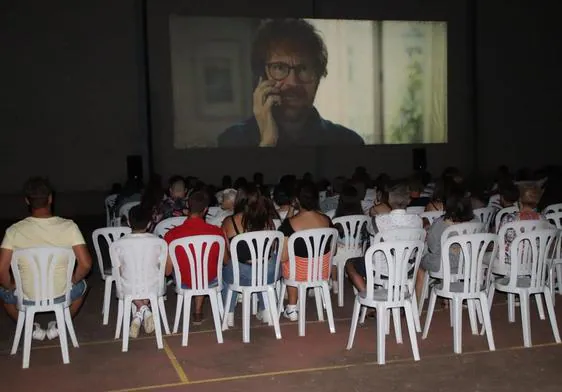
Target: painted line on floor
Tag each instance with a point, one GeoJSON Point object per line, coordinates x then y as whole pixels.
{"type": "Point", "coordinates": [175, 363]}
{"type": "Point", "coordinates": [330, 368]}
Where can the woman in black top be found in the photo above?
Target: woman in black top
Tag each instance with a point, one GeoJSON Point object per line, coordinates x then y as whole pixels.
{"type": "Point", "coordinates": [253, 215]}
{"type": "Point", "coordinates": [308, 217]}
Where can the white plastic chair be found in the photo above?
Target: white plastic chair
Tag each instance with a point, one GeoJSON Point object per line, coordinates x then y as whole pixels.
{"type": "Point", "coordinates": [329, 203]}
{"type": "Point", "coordinates": [456, 229]}
{"type": "Point", "coordinates": [330, 213]}
{"type": "Point", "coordinates": [353, 227]}
{"type": "Point", "coordinates": [110, 234]}
{"type": "Point", "coordinates": [529, 253]}
{"type": "Point", "coordinates": [169, 223]}
{"type": "Point", "coordinates": [317, 242]}
{"type": "Point", "coordinates": [553, 208]}
{"type": "Point", "coordinates": [134, 255]}
{"type": "Point", "coordinates": [430, 216]}
{"type": "Point", "coordinates": [485, 215]}
{"type": "Point", "coordinates": [197, 249]}
{"type": "Point", "coordinates": [263, 246]}
{"type": "Point", "coordinates": [501, 213]}
{"type": "Point", "coordinates": [124, 211]}
{"type": "Point", "coordinates": [109, 203]}
{"type": "Point", "coordinates": [555, 218]}
{"type": "Point", "coordinates": [41, 264]}
{"type": "Point", "coordinates": [398, 293]}
{"type": "Point", "coordinates": [469, 283]}
{"type": "Point", "coordinates": [381, 266]}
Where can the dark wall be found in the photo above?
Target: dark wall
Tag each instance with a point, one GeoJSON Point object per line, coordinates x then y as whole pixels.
{"type": "Point", "coordinates": [72, 98]}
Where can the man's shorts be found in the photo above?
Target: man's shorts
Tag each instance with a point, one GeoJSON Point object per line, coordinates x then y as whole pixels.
{"type": "Point", "coordinates": [77, 291]}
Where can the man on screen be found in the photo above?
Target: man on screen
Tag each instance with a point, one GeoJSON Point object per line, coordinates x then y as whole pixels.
{"type": "Point", "coordinates": [288, 60]}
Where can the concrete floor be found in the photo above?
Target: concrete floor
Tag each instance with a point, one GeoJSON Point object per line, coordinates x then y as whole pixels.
{"type": "Point", "coordinates": [316, 362]}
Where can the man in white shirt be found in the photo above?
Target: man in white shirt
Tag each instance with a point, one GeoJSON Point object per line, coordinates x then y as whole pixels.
{"type": "Point", "coordinates": [39, 230]}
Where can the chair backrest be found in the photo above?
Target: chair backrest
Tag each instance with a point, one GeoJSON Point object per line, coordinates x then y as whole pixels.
{"type": "Point", "coordinates": [553, 208]}
{"type": "Point", "coordinates": [415, 210]}
{"type": "Point", "coordinates": [555, 218]}
{"type": "Point", "coordinates": [462, 228]}
{"type": "Point", "coordinates": [331, 213]}
{"type": "Point", "coordinates": [353, 227]}
{"type": "Point", "coordinates": [530, 254]}
{"type": "Point", "coordinates": [169, 223]}
{"type": "Point", "coordinates": [109, 203]}
{"type": "Point", "coordinates": [398, 256]}
{"type": "Point", "coordinates": [500, 214]}
{"type": "Point", "coordinates": [329, 203]}
{"type": "Point", "coordinates": [264, 246]}
{"type": "Point", "coordinates": [197, 249]}
{"type": "Point", "coordinates": [41, 282]}
{"type": "Point", "coordinates": [400, 235]}
{"type": "Point", "coordinates": [485, 215]}
{"type": "Point", "coordinates": [125, 208]}
{"type": "Point", "coordinates": [430, 216]}
{"type": "Point", "coordinates": [138, 265]}
{"type": "Point", "coordinates": [516, 228]}
{"type": "Point", "coordinates": [397, 219]}
{"type": "Point", "coordinates": [471, 267]}
{"type": "Point", "coordinates": [317, 241]}
{"type": "Point", "coordinates": [110, 234]}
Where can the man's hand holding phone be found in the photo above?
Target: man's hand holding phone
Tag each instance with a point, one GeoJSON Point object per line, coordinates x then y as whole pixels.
{"type": "Point", "coordinates": [266, 95]}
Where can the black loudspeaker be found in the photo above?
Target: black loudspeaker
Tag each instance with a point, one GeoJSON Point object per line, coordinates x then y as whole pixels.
{"type": "Point", "coordinates": [419, 159]}
{"type": "Point", "coordinates": [134, 167]}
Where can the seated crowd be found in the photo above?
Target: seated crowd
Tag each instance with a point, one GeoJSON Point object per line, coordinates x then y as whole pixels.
{"type": "Point", "coordinates": [290, 206]}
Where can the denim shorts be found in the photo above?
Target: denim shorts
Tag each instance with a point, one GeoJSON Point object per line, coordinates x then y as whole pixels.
{"type": "Point", "coordinates": [77, 291]}
{"type": "Point", "coordinates": [212, 283]}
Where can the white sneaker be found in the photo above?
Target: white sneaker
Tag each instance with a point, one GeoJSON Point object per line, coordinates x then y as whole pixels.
{"type": "Point", "coordinates": [52, 330]}
{"type": "Point", "coordinates": [264, 316]}
{"type": "Point", "coordinates": [147, 320]}
{"type": "Point", "coordinates": [38, 332]}
{"type": "Point", "coordinates": [291, 313]}
{"type": "Point", "coordinates": [135, 326]}
{"type": "Point", "coordinates": [230, 320]}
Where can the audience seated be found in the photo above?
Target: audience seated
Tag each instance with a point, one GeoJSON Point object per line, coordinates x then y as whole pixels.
{"type": "Point", "coordinates": [458, 209]}
{"type": "Point", "coordinates": [195, 225]}
{"type": "Point", "coordinates": [139, 221]}
{"type": "Point", "coordinates": [254, 216]}
{"type": "Point", "coordinates": [43, 229]}
{"type": "Point", "coordinates": [174, 204]}
{"type": "Point", "coordinates": [226, 199]}
{"type": "Point", "coordinates": [416, 187]}
{"type": "Point", "coordinates": [283, 199]}
{"type": "Point", "coordinates": [308, 217]}
{"type": "Point", "coordinates": [381, 205]}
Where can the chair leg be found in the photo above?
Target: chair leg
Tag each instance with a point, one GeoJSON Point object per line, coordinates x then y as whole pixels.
{"type": "Point", "coordinates": [19, 330]}
{"type": "Point", "coordinates": [246, 303]}
{"type": "Point", "coordinates": [397, 324]}
{"type": "Point", "coordinates": [457, 325]}
{"type": "Point", "coordinates": [319, 303]}
{"type": "Point", "coordinates": [472, 316]}
{"type": "Point", "coordinates": [429, 316]}
{"type": "Point", "coordinates": [552, 315]}
{"type": "Point", "coordinates": [329, 309]}
{"type": "Point", "coordinates": [511, 307]}
{"type": "Point", "coordinates": [281, 301]}
{"type": "Point", "coordinates": [226, 306]}
{"type": "Point", "coordinates": [540, 307]}
{"type": "Point", "coordinates": [410, 320]}
{"type": "Point", "coordinates": [272, 308]}
{"type": "Point", "coordinates": [381, 334]}
{"type": "Point", "coordinates": [107, 299]}
{"type": "Point", "coordinates": [354, 321]}
{"type": "Point", "coordinates": [163, 315]}
{"type": "Point", "coordinates": [127, 305]}
{"type": "Point", "coordinates": [70, 327]}
{"type": "Point", "coordinates": [302, 310]}
{"type": "Point", "coordinates": [157, 321]}
{"type": "Point", "coordinates": [363, 315]}
{"type": "Point", "coordinates": [486, 321]}
{"type": "Point", "coordinates": [61, 327]}
{"type": "Point", "coordinates": [424, 293]}
{"type": "Point", "coordinates": [525, 319]}
{"type": "Point", "coordinates": [254, 304]}
{"type": "Point", "coordinates": [213, 296]}
{"type": "Point", "coordinates": [341, 270]}
{"type": "Point", "coordinates": [186, 318]}
{"type": "Point", "coordinates": [179, 307]}
{"type": "Point", "coordinates": [416, 313]}
{"type": "Point", "coordinates": [28, 332]}
{"type": "Point", "coordinates": [221, 304]}
{"type": "Point", "coordinates": [119, 319]}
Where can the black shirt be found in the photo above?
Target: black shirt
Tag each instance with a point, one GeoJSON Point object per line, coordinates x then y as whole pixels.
{"type": "Point", "coordinates": [316, 132]}
{"type": "Point", "coordinates": [301, 249]}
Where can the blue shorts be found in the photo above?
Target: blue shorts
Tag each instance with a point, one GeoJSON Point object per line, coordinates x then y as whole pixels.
{"type": "Point", "coordinates": [77, 291]}
{"type": "Point", "coordinates": [212, 283]}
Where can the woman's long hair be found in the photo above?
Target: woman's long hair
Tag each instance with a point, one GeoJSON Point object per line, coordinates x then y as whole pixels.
{"type": "Point", "coordinates": [256, 214]}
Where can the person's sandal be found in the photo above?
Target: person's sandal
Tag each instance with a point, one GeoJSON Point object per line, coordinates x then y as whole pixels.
{"type": "Point", "coordinates": [197, 318]}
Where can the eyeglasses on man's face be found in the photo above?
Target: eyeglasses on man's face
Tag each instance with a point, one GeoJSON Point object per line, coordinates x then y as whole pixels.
{"type": "Point", "coordinates": [279, 70]}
